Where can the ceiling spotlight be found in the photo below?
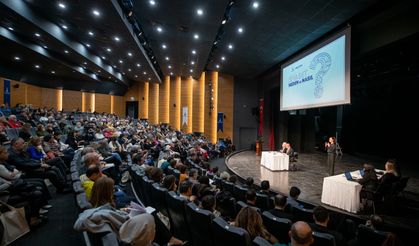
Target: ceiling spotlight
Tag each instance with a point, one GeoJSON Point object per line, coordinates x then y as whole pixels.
{"type": "Point", "coordinates": [171, 73]}
{"type": "Point", "coordinates": [52, 71]}
{"type": "Point", "coordinates": [136, 76]}
{"type": "Point", "coordinates": [116, 38]}
{"type": "Point", "coordinates": [10, 28]}
{"type": "Point", "coordinates": [129, 69]}
{"type": "Point", "coordinates": [17, 58]}
{"type": "Point", "coordinates": [129, 54]}
{"type": "Point", "coordinates": [65, 27]}
{"type": "Point", "coordinates": [149, 78]}
{"type": "Point", "coordinates": [104, 58]}
{"type": "Point", "coordinates": [66, 51]}
{"type": "Point", "coordinates": [138, 65]}
{"type": "Point", "coordinates": [45, 47]}
{"type": "Point", "coordinates": [96, 12]}
{"type": "Point", "coordinates": [159, 29]}
{"type": "Point", "coordinates": [152, 3]}
{"type": "Point", "coordinates": [191, 70]}
{"type": "Point", "coordinates": [99, 71]}
{"type": "Point", "coordinates": [108, 50]}
{"type": "Point", "coordinates": [88, 45]}
{"type": "Point", "coordinates": [61, 5]}
{"type": "Point", "coordinates": [223, 58]}
{"type": "Point", "coordinates": [240, 29]}
{"type": "Point", "coordinates": [217, 66]}
{"type": "Point", "coordinates": [85, 63]}
{"type": "Point", "coordinates": [255, 5]}
{"type": "Point", "coordinates": [163, 46]}
{"type": "Point", "coordinates": [167, 58]}
{"type": "Point", "coordinates": [120, 61]}
{"type": "Point", "coordinates": [199, 12]}
{"type": "Point", "coordinates": [224, 21]}
{"type": "Point", "coordinates": [192, 63]}
{"type": "Point", "coordinates": [144, 72]}
{"type": "Point", "coordinates": [196, 36]}
{"type": "Point", "coordinates": [194, 52]}
{"type": "Point", "coordinates": [230, 46]}
{"type": "Point", "coordinates": [37, 66]}
{"type": "Point", "coordinates": [170, 67]}
{"type": "Point", "coordinates": [91, 33]}
{"type": "Point", "coordinates": [37, 34]}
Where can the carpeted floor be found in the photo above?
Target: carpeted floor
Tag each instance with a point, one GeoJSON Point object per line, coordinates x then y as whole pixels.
{"type": "Point", "coordinates": [59, 228]}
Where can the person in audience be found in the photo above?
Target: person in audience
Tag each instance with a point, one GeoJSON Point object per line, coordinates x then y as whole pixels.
{"type": "Point", "coordinates": [279, 210]}
{"type": "Point", "coordinates": [251, 197]}
{"type": "Point", "coordinates": [183, 175]}
{"type": "Point", "coordinates": [232, 179]}
{"type": "Point", "coordinates": [331, 155]}
{"type": "Point", "coordinates": [249, 183]}
{"type": "Point", "coordinates": [301, 234]}
{"type": "Point", "coordinates": [214, 171]}
{"type": "Point", "coordinates": [24, 132]}
{"type": "Point", "coordinates": [193, 175]}
{"type": "Point", "coordinates": [185, 189]}
{"type": "Point", "coordinates": [226, 205]}
{"type": "Point", "coordinates": [138, 230]}
{"type": "Point", "coordinates": [40, 130]}
{"type": "Point", "coordinates": [250, 220]}
{"type": "Point", "coordinates": [375, 222]}
{"type": "Point", "coordinates": [321, 219]}
{"type": "Point", "coordinates": [225, 176]}
{"type": "Point", "coordinates": [156, 175]}
{"type": "Point", "coordinates": [292, 199]}
{"type": "Point", "coordinates": [264, 188]}
{"type": "Point", "coordinates": [13, 122]}
{"type": "Point", "coordinates": [208, 202]}
{"type": "Point", "coordinates": [169, 182]}
{"type": "Point", "coordinates": [102, 192]}
{"type": "Point", "coordinates": [88, 179]}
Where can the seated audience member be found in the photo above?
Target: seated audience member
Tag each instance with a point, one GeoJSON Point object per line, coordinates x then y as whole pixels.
{"type": "Point", "coordinates": [225, 176]}
{"type": "Point", "coordinates": [251, 198]}
{"type": "Point", "coordinates": [264, 188]}
{"type": "Point", "coordinates": [249, 183]}
{"type": "Point", "coordinates": [93, 173]}
{"type": "Point", "coordinates": [138, 230]}
{"type": "Point", "coordinates": [40, 130]}
{"type": "Point", "coordinates": [13, 122]}
{"type": "Point", "coordinates": [214, 171]}
{"type": "Point", "coordinates": [156, 174]}
{"type": "Point", "coordinates": [169, 182]}
{"type": "Point", "coordinates": [279, 210]}
{"type": "Point", "coordinates": [250, 220]}
{"type": "Point", "coordinates": [387, 180]}
{"type": "Point", "coordinates": [301, 234]}
{"type": "Point", "coordinates": [226, 205]}
{"type": "Point", "coordinates": [232, 179]}
{"type": "Point", "coordinates": [24, 132]}
{"type": "Point", "coordinates": [292, 199]}
{"type": "Point", "coordinates": [208, 203]}
{"type": "Point", "coordinates": [183, 175]}
{"type": "Point", "coordinates": [321, 219]}
{"type": "Point", "coordinates": [193, 175]}
{"type": "Point", "coordinates": [375, 222]}
{"type": "Point", "coordinates": [185, 189]}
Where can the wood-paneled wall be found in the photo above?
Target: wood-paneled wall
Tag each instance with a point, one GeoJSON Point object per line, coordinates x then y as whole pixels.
{"type": "Point", "coordinates": [119, 105]}
{"type": "Point", "coordinates": [143, 92]}
{"type": "Point", "coordinates": [198, 104]}
{"type": "Point", "coordinates": [153, 105]}
{"type": "Point", "coordinates": [226, 104]}
{"type": "Point", "coordinates": [102, 103]}
{"type": "Point", "coordinates": [71, 100]}
{"type": "Point", "coordinates": [186, 102]}
{"type": "Point", "coordinates": [175, 107]}
{"type": "Point", "coordinates": [35, 97]}
{"type": "Point", "coordinates": [164, 100]}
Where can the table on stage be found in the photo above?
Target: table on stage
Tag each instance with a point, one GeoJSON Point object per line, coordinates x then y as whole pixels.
{"type": "Point", "coordinates": [275, 161]}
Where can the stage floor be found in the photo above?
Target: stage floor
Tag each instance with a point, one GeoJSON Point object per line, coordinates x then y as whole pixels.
{"type": "Point", "coordinates": [312, 168]}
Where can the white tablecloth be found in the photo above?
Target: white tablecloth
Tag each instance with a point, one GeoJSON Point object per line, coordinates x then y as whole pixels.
{"type": "Point", "coordinates": [274, 160]}
{"type": "Point", "coordinates": [342, 193]}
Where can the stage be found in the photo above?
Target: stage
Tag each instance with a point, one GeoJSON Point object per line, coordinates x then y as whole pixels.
{"type": "Point", "coordinates": [312, 168]}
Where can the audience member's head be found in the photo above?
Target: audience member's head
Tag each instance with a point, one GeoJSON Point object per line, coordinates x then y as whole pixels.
{"type": "Point", "coordinates": [185, 188]}
{"type": "Point", "coordinates": [91, 159]}
{"type": "Point", "coordinates": [249, 182]}
{"type": "Point", "coordinates": [224, 176]}
{"type": "Point", "coordinates": [86, 150]}
{"type": "Point", "coordinates": [280, 201]}
{"type": "Point", "coordinates": [214, 170]}
{"type": "Point", "coordinates": [301, 234]}
{"type": "Point", "coordinates": [138, 230]}
{"type": "Point", "coordinates": [376, 222]}
{"type": "Point", "coordinates": [4, 155]}
{"type": "Point", "coordinates": [18, 144]}
{"type": "Point", "coordinates": [169, 182]}
{"type": "Point", "coordinates": [264, 185]}
{"type": "Point", "coordinates": [156, 174]}
{"type": "Point", "coordinates": [102, 192]}
{"type": "Point", "coordinates": [250, 220]}
{"type": "Point", "coordinates": [93, 172]}
{"type": "Point", "coordinates": [232, 179]}
{"type": "Point", "coordinates": [295, 192]}
{"type": "Point", "coordinates": [251, 196]}
{"type": "Point", "coordinates": [321, 215]}
{"type": "Point", "coordinates": [204, 180]}
{"type": "Point", "coordinates": [208, 203]}
{"type": "Point", "coordinates": [193, 174]}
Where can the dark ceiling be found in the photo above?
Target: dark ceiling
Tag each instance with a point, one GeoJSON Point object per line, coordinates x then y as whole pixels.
{"type": "Point", "coordinates": [123, 41]}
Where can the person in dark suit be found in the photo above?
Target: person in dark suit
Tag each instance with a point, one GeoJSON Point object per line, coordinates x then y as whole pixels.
{"type": "Point", "coordinates": [331, 155]}
{"type": "Point", "coordinates": [369, 183]}
{"type": "Point", "coordinates": [385, 183]}
{"type": "Point", "coordinates": [279, 210]}
{"type": "Point", "coordinates": [321, 219]}
{"type": "Point", "coordinates": [283, 148]}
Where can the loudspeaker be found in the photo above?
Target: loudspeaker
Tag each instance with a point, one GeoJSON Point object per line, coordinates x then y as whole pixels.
{"type": "Point", "coordinates": [16, 86]}
{"type": "Point", "coordinates": [255, 111]}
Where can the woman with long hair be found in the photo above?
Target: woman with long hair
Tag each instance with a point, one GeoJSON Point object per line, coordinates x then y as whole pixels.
{"type": "Point", "coordinates": [250, 220]}
{"type": "Point", "coordinates": [102, 192]}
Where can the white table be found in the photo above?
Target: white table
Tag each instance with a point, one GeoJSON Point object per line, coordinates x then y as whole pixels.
{"type": "Point", "coordinates": [274, 160]}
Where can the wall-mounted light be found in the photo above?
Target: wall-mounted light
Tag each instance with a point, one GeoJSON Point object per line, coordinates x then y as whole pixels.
{"type": "Point", "coordinates": [174, 105]}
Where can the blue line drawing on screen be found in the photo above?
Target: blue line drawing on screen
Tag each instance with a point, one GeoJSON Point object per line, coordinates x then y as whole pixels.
{"type": "Point", "coordinates": [325, 61]}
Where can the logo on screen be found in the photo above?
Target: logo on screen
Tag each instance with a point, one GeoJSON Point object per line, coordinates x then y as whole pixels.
{"type": "Point", "coordinates": [325, 61]}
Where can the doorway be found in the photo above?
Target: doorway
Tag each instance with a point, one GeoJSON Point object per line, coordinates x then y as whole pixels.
{"type": "Point", "coordinates": [131, 109]}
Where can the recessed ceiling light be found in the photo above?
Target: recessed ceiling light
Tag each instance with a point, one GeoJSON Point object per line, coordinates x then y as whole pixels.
{"type": "Point", "coordinates": [61, 5]}
{"type": "Point", "coordinates": [104, 58]}
{"type": "Point", "coordinates": [240, 29]}
{"type": "Point", "coordinates": [85, 63]}
{"type": "Point", "coordinates": [171, 73]}
{"type": "Point", "coordinates": [108, 50]}
{"type": "Point", "coordinates": [17, 58]}
{"type": "Point", "coordinates": [88, 45]}
{"type": "Point", "coordinates": [167, 58]}
{"type": "Point", "coordinates": [255, 5]}
{"type": "Point", "coordinates": [196, 36]}
{"type": "Point", "coordinates": [121, 61]}
{"type": "Point", "coordinates": [191, 70]}
{"type": "Point", "coordinates": [192, 63]}
{"type": "Point", "coordinates": [217, 66]}
{"type": "Point", "coordinates": [99, 71]}
{"type": "Point", "coordinates": [116, 38]}
{"type": "Point", "coordinates": [194, 52]}
{"type": "Point", "coordinates": [138, 65]}
{"type": "Point", "coordinates": [230, 46]}
{"type": "Point", "coordinates": [37, 66]}
{"type": "Point", "coordinates": [65, 27]}
{"type": "Point", "coordinates": [152, 2]}
{"type": "Point", "coordinates": [159, 29]}
{"type": "Point", "coordinates": [144, 72]}
{"type": "Point", "coordinates": [91, 33]}
{"type": "Point", "coordinates": [223, 58]}
{"type": "Point", "coordinates": [149, 78]}
{"type": "Point", "coordinates": [163, 46]}
{"type": "Point", "coordinates": [136, 76]}
{"type": "Point", "coordinates": [45, 47]}
{"type": "Point", "coordinates": [170, 67]}
{"type": "Point", "coordinates": [224, 21]}
{"type": "Point", "coordinates": [10, 28]}
{"type": "Point", "coordinates": [37, 34]}
{"type": "Point", "coordinates": [66, 51]}
{"type": "Point", "coordinates": [109, 77]}
{"type": "Point", "coordinates": [199, 12]}
{"type": "Point", "coordinates": [129, 69]}
{"type": "Point", "coordinates": [129, 54]}
{"type": "Point", "coordinates": [52, 71]}
{"type": "Point", "coordinates": [96, 12]}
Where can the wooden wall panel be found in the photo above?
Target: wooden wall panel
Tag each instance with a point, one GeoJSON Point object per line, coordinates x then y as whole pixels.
{"type": "Point", "coordinates": [132, 93]}
{"type": "Point", "coordinates": [19, 94]}
{"type": "Point", "coordinates": [226, 104]}
{"type": "Point", "coordinates": [71, 100]}
{"type": "Point", "coordinates": [2, 90]}
{"type": "Point", "coordinates": [119, 105]}
{"type": "Point", "coordinates": [153, 105]}
{"type": "Point", "coordinates": [143, 92]}
{"type": "Point", "coordinates": [186, 101]}
{"type": "Point", "coordinates": [88, 100]}
{"type": "Point", "coordinates": [211, 115]}
{"type": "Point", "coordinates": [198, 104]}
{"type": "Point", "coordinates": [164, 100]}
{"type": "Point", "coordinates": [50, 98]}
{"type": "Point", "coordinates": [35, 97]}
{"type": "Point", "coordinates": [175, 107]}
{"type": "Point", "coordinates": [102, 103]}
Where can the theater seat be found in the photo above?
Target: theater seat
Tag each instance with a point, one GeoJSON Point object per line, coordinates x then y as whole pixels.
{"type": "Point", "coordinates": [146, 190]}
{"type": "Point", "coordinates": [323, 239]}
{"type": "Point", "coordinates": [158, 195]}
{"type": "Point", "coordinates": [240, 193]}
{"type": "Point", "coordinates": [278, 227]}
{"type": "Point", "coordinates": [262, 201]}
{"type": "Point", "coordinates": [200, 224]}
{"type": "Point", "coordinates": [77, 187]}
{"type": "Point", "coordinates": [370, 237]}
{"type": "Point", "coordinates": [227, 235]}
{"type": "Point", "coordinates": [260, 241]}
{"type": "Point", "coordinates": [176, 208]}
{"type": "Point", "coordinates": [302, 214]}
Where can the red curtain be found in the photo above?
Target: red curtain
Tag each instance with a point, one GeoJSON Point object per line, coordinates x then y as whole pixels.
{"type": "Point", "coordinates": [261, 106]}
